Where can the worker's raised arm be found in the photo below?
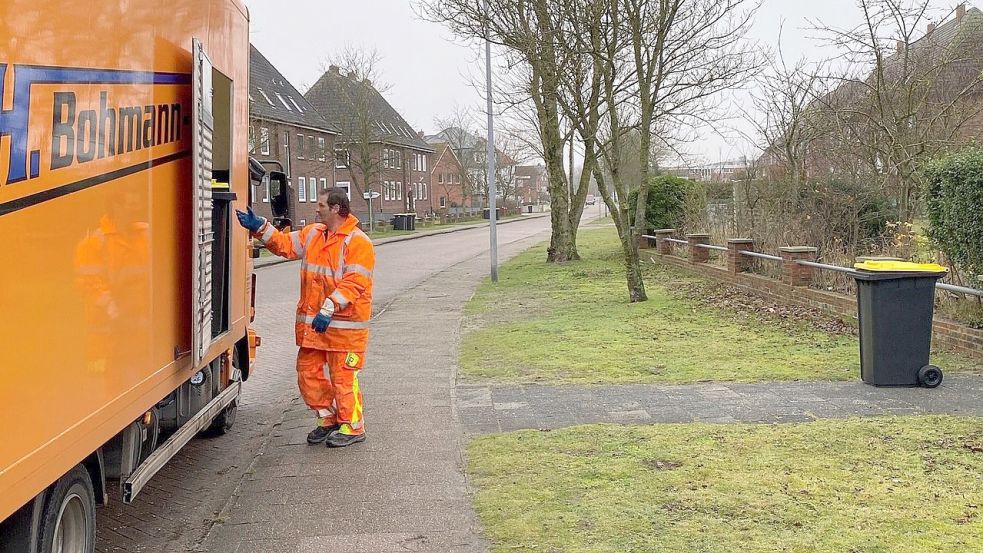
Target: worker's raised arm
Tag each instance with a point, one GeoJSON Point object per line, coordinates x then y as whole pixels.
{"type": "Point", "coordinates": [356, 275]}
{"type": "Point", "coordinates": [284, 244]}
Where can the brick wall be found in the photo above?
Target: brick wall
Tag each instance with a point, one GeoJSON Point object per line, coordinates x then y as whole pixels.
{"type": "Point", "coordinates": [305, 162]}
{"type": "Point", "coordinates": [945, 332]}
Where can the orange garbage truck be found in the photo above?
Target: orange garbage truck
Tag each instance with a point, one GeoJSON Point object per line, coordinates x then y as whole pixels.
{"type": "Point", "coordinates": [125, 287]}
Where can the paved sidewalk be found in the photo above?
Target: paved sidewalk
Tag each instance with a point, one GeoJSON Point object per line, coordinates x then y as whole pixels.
{"type": "Point", "coordinates": [485, 409]}
{"type": "Point", "coordinates": [274, 260]}
{"type": "Point", "coordinates": [404, 488]}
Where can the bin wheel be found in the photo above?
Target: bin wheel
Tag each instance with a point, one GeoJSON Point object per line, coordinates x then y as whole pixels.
{"type": "Point", "coordinates": [930, 376]}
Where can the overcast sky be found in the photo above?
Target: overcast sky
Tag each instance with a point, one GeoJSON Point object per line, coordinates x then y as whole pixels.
{"type": "Point", "coordinates": [430, 73]}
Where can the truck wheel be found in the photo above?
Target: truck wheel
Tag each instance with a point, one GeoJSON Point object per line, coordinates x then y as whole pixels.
{"type": "Point", "coordinates": [930, 376]}
{"type": "Point", "coordinates": [223, 422]}
{"type": "Point", "coordinates": [68, 524]}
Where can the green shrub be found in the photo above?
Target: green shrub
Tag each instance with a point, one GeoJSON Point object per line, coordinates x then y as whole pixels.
{"type": "Point", "coordinates": [666, 203]}
{"type": "Point", "coordinates": [955, 207]}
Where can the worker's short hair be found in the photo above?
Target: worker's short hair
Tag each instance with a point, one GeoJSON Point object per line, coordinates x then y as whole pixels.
{"type": "Point", "coordinates": [338, 197]}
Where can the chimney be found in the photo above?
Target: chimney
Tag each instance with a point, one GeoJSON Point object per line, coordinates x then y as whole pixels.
{"type": "Point", "coordinates": [931, 29]}
{"type": "Point", "coordinates": [334, 69]}
{"type": "Point", "coordinates": [899, 46]}
{"type": "Point", "coordinates": [420, 134]}
{"type": "Point", "coordinates": [960, 12]}
{"type": "Point", "coordinates": [367, 82]}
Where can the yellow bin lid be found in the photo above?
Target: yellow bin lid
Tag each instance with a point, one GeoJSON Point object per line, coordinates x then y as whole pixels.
{"type": "Point", "coordinates": [899, 266]}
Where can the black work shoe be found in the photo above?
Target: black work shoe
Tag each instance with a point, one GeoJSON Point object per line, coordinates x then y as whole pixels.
{"type": "Point", "coordinates": [320, 433]}
{"type": "Point", "coordinates": [337, 439]}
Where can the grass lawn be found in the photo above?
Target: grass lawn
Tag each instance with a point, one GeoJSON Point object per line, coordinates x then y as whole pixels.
{"type": "Point", "coordinates": [886, 485]}
{"type": "Point", "coordinates": [573, 324]}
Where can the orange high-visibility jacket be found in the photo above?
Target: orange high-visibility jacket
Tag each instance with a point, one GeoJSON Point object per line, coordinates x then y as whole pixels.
{"type": "Point", "coordinates": [338, 265]}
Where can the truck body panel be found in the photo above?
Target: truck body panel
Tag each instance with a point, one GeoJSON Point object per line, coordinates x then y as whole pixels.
{"type": "Point", "coordinates": [96, 204]}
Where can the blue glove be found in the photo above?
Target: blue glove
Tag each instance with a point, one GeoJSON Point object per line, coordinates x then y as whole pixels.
{"type": "Point", "coordinates": [250, 220]}
{"type": "Point", "coordinates": [321, 322]}
{"type": "Point", "coordinates": [323, 317]}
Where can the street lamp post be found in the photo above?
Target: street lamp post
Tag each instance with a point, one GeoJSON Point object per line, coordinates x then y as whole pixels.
{"type": "Point", "coordinates": [492, 211]}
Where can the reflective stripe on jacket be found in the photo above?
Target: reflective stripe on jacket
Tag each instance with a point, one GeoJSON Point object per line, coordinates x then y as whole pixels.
{"type": "Point", "coordinates": [338, 265]}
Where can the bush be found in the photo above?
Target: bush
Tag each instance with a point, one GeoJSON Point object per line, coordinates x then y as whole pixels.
{"type": "Point", "coordinates": [666, 204]}
{"type": "Point", "coordinates": [845, 211]}
{"type": "Point", "coordinates": [955, 207]}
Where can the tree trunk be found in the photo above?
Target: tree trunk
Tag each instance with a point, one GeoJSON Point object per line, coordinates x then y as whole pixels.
{"type": "Point", "coordinates": [633, 271]}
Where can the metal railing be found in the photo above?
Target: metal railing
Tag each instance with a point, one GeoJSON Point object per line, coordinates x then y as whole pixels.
{"type": "Point", "coordinates": [760, 255]}
{"type": "Point", "coordinates": [825, 267]}
{"type": "Point", "coordinates": [813, 264]}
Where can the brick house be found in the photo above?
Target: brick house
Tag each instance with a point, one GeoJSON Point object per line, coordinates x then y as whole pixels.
{"type": "Point", "coordinates": [376, 149]}
{"type": "Point", "coordinates": [949, 54]}
{"type": "Point", "coordinates": [532, 184]}
{"type": "Point", "coordinates": [472, 154]}
{"type": "Point", "coordinates": [285, 127]}
{"type": "Point", "coordinates": [450, 181]}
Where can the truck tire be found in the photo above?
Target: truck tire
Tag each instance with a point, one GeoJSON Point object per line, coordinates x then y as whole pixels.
{"type": "Point", "coordinates": [224, 421]}
{"type": "Point", "coordinates": [68, 522]}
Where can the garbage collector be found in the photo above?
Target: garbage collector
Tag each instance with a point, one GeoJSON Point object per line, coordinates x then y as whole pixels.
{"type": "Point", "coordinates": [332, 327]}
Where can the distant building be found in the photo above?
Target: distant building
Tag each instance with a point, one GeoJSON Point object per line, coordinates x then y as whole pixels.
{"type": "Point", "coordinates": [722, 171]}
{"type": "Point", "coordinates": [532, 184]}
{"type": "Point", "coordinates": [451, 185]}
{"type": "Point", "coordinates": [472, 155]}
{"type": "Point", "coordinates": [284, 127]}
{"type": "Point", "coordinates": [376, 150]}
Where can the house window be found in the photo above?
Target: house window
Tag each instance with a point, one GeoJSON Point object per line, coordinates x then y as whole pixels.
{"type": "Point", "coordinates": [264, 141]}
{"type": "Point", "coordinates": [266, 188]}
{"type": "Point", "coordinates": [320, 148]}
{"type": "Point", "coordinates": [311, 148]}
{"type": "Point", "coordinates": [312, 195]}
{"type": "Point", "coordinates": [424, 162]}
{"type": "Point", "coordinates": [398, 159]}
{"type": "Point", "coordinates": [385, 190]}
{"type": "Point", "coordinates": [423, 186]}
{"type": "Point", "coordinates": [440, 178]}
{"type": "Point", "coordinates": [385, 158]}
{"type": "Point", "coordinates": [347, 187]}
{"type": "Point", "coordinates": [443, 201]}
{"type": "Point", "coordinates": [265, 96]}
{"type": "Point", "coordinates": [300, 146]}
{"type": "Point", "coordinates": [286, 150]}
{"type": "Point", "coordinates": [399, 190]}
{"type": "Point", "coordinates": [284, 102]}
{"type": "Point", "coordinates": [324, 184]}
{"type": "Point", "coordinates": [342, 158]}
{"type": "Point", "coordinates": [301, 189]}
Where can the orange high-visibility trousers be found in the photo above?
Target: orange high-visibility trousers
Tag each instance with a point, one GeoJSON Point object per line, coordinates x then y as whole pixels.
{"type": "Point", "coordinates": [328, 382]}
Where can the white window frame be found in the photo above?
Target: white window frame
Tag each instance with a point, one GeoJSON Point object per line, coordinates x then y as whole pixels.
{"type": "Point", "coordinates": [300, 146]}
{"type": "Point", "coordinates": [443, 201]}
{"type": "Point", "coordinates": [399, 190]}
{"type": "Point", "coordinates": [347, 186]}
{"type": "Point", "coordinates": [385, 158]}
{"type": "Point", "coordinates": [312, 189]}
{"type": "Point", "coordinates": [385, 190]}
{"type": "Point", "coordinates": [266, 188]}
{"type": "Point", "coordinates": [264, 141]}
{"type": "Point", "coordinates": [345, 161]}
{"type": "Point", "coordinates": [311, 147]}
{"type": "Point", "coordinates": [324, 184]}
{"type": "Point", "coordinates": [321, 153]}
{"type": "Point", "coordinates": [301, 189]}
{"type": "Point", "coordinates": [284, 102]}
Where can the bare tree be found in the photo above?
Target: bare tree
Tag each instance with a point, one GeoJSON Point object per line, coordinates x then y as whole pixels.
{"type": "Point", "coordinates": [527, 30]}
{"type": "Point", "coordinates": [638, 69]}
{"type": "Point", "coordinates": [357, 148]}
{"type": "Point", "coordinates": [922, 90]}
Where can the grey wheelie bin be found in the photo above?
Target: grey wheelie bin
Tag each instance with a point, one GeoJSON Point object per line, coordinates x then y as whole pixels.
{"type": "Point", "coordinates": [895, 303]}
